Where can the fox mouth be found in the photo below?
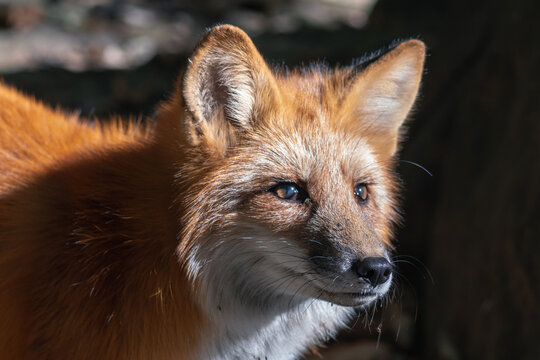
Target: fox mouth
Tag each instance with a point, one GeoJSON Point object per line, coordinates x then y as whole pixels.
{"type": "Point", "coordinates": [360, 298]}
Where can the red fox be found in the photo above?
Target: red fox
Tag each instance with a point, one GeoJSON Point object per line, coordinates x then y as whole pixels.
{"type": "Point", "coordinates": [246, 220]}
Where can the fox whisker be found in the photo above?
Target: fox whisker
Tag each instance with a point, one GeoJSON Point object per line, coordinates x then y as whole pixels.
{"type": "Point", "coordinates": [417, 165]}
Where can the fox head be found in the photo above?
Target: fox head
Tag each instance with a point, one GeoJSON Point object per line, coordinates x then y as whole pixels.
{"type": "Point", "coordinates": [289, 174]}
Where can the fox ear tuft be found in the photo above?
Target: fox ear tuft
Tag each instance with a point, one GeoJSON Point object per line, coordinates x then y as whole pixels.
{"type": "Point", "coordinates": [224, 85]}
{"type": "Point", "coordinates": [384, 93]}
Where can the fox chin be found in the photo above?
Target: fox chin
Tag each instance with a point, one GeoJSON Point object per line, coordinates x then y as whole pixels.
{"type": "Point", "coordinates": [248, 218]}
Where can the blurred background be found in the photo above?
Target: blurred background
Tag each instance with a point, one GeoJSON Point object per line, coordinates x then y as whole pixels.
{"type": "Point", "coordinates": [468, 255]}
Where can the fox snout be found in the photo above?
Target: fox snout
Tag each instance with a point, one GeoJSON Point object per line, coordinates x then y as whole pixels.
{"type": "Point", "coordinates": [352, 281]}
{"type": "Point", "coordinates": [370, 271]}
{"type": "Point", "coordinates": [351, 263]}
{"type": "Point", "coordinates": [367, 271]}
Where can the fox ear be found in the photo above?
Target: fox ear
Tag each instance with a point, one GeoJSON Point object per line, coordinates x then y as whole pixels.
{"type": "Point", "coordinates": [226, 85]}
{"type": "Point", "coordinates": [383, 94]}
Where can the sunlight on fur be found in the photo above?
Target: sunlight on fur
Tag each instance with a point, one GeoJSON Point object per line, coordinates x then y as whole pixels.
{"type": "Point", "coordinates": [250, 218]}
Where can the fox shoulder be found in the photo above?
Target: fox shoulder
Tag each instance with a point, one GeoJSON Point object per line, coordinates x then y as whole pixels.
{"type": "Point", "coordinates": [34, 136]}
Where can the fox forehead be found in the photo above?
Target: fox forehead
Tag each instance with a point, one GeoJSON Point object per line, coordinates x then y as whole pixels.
{"type": "Point", "coordinates": [316, 90]}
{"type": "Point", "coordinates": [309, 151]}
{"type": "Point", "coordinates": [308, 133]}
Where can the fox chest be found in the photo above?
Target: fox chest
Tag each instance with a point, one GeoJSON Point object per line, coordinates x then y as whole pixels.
{"type": "Point", "coordinates": [285, 336]}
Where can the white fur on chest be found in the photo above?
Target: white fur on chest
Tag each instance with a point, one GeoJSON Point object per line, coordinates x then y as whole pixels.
{"type": "Point", "coordinates": [285, 336]}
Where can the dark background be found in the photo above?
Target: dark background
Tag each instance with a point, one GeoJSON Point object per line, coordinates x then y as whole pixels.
{"type": "Point", "coordinates": [469, 252]}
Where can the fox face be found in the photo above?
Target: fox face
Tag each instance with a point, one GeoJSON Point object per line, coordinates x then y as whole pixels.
{"type": "Point", "coordinates": [295, 197]}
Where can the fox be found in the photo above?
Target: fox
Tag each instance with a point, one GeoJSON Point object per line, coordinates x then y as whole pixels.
{"type": "Point", "coordinates": [249, 218]}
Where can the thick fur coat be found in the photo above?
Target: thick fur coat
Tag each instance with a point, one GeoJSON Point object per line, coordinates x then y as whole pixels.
{"type": "Point", "coordinates": [232, 225]}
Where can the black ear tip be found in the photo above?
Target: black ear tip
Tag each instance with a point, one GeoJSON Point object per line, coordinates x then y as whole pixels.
{"type": "Point", "coordinates": [397, 46]}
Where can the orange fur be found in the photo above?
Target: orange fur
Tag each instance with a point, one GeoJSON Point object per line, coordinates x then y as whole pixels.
{"type": "Point", "coordinates": [98, 220]}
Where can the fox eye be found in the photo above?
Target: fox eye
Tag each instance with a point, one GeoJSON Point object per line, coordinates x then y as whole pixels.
{"type": "Point", "coordinates": [361, 192]}
{"type": "Point", "coordinates": [290, 192]}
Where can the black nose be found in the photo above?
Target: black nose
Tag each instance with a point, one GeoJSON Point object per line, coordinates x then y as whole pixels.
{"type": "Point", "coordinates": [375, 270]}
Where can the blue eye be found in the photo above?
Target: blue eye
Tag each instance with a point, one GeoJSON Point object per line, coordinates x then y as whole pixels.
{"type": "Point", "coordinates": [361, 192]}
{"type": "Point", "coordinates": [289, 191]}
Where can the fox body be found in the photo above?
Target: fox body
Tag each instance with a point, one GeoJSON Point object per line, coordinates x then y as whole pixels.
{"type": "Point", "coordinates": [247, 219]}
